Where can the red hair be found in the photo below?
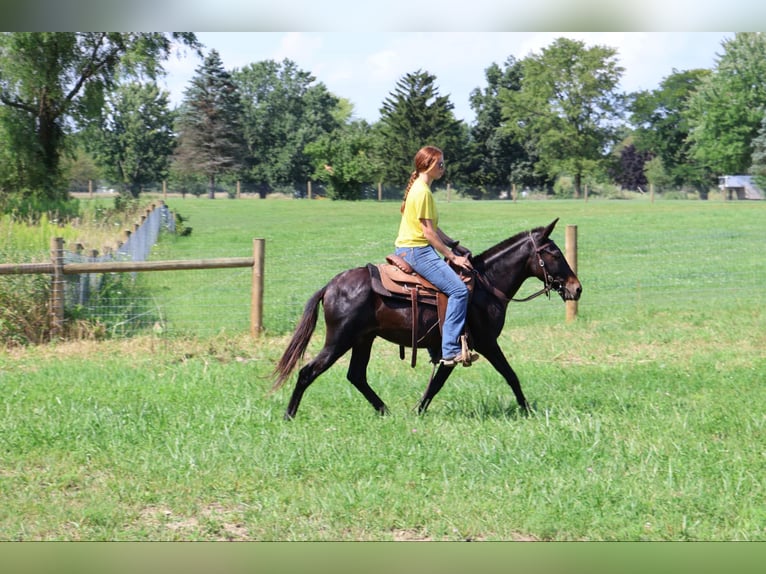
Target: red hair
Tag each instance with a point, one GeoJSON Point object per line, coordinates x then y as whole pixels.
{"type": "Point", "coordinates": [426, 157]}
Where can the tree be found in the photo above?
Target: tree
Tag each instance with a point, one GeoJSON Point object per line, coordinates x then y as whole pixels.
{"type": "Point", "coordinates": [135, 138]}
{"type": "Point", "coordinates": [567, 107]}
{"type": "Point", "coordinates": [414, 115]}
{"type": "Point", "coordinates": [345, 159]}
{"type": "Point", "coordinates": [284, 109]}
{"type": "Point", "coordinates": [498, 159]}
{"type": "Point", "coordinates": [79, 168]}
{"type": "Point", "coordinates": [630, 173]}
{"type": "Point", "coordinates": [656, 174]}
{"type": "Point", "coordinates": [726, 111]}
{"type": "Point", "coordinates": [49, 81]}
{"type": "Point", "coordinates": [758, 168]}
{"type": "Point", "coordinates": [662, 127]}
{"type": "Point", "coordinates": [210, 135]}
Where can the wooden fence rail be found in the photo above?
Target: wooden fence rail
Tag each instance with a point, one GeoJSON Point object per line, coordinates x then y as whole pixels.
{"type": "Point", "coordinates": [57, 269]}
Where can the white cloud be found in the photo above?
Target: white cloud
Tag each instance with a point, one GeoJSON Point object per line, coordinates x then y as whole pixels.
{"type": "Point", "coordinates": [365, 66]}
{"type": "Point", "coordinates": [298, 46]}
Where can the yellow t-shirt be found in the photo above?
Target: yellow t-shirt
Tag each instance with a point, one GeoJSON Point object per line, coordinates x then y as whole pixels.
{"type": "Point", "coordinates": [419, 205]}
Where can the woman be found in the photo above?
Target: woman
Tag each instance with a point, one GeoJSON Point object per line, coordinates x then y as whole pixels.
{"type": "Point", "coordinates": [420, 242]}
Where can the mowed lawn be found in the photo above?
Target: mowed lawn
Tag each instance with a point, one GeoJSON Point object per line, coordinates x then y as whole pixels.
{"type": "Point", "coordinates": [648, 423]}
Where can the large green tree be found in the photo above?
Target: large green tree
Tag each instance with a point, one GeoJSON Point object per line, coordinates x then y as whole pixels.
{"type": "Point", "coordinates": [661, 126]}
{"type": "Point", "coordinates": [346, 161]}
{"type": "Point", "coordinates": [284, 109]}
{"type": "Point", "coordinates": [414, 115]}
{"type": "Point", "coordinates": [758, 167]}
{"type": "Point", "coordinates": [51, 80]}
{"type": "Point", "coordinates": [568, 107]}
{"type": "Point", "coordinates": [498, 159]}
{"type": "Point", "coordinates": [726, 111]}
{"type": "Point", "coordinates": [210, 134]}
{"type": "Point", "coordinates": [134, 139]}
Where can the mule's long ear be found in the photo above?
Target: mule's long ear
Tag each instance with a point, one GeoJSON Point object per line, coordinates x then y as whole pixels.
{"type": "Point", "coordinates": [549, 229]}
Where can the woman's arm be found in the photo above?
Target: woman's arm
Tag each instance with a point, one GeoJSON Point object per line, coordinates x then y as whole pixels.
{"type": "Point", "coordinates": [434, 237]}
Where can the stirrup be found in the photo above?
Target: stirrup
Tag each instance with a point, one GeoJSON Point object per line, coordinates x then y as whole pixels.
{"type": "Point", "coordinates": [462, 359]}
{"type": "Point", "coordinates": [465, 358]}
{"type": "Point", "coordinates": [468, 356]}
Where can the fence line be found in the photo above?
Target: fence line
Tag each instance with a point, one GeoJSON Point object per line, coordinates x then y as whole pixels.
{"type": "Point", "coordinates": [75, 276]}
{"type": "Point", "coordinates": [58, 269]}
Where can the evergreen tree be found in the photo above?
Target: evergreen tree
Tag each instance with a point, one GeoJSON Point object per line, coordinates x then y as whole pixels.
{"type": "Point", "coordinates": [414, 115]}
{"type": "Point", "coordinates": [210, 135]}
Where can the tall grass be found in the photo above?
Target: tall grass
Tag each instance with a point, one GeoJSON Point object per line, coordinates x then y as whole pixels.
{"type": "Point", "coordinates": [648, 419]}
{"type": "Point", "coordinates": [24, 299]}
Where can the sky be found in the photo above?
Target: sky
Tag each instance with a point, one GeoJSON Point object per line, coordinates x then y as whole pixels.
{"type": "Point", "coordinates": [364, 67]}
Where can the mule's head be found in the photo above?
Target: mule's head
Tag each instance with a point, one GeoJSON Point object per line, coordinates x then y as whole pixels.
{"type": "Point", "coordinates": [551, 267]}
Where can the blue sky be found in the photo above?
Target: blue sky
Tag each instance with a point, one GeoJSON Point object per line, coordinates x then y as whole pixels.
{"type": "Point", "coordinates": [365, 66]}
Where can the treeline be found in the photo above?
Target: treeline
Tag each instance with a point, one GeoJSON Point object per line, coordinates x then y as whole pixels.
{"type": "Point", "coordinates": [79, 107]}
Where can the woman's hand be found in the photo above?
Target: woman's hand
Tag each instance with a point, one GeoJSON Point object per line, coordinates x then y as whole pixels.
{"type": "Point", "coordinates": [462, 261]}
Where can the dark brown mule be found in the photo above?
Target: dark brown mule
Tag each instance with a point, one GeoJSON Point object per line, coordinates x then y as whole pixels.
{"type": "Point", "coordinates": [354, 315]}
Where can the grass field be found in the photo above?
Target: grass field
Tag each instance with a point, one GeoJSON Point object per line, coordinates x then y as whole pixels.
{"type": "Point", "coordinates": [648, 423]}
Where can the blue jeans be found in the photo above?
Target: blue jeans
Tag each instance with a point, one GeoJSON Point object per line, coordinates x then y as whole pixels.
{"type": "Point", "coordinates": [429, 264]}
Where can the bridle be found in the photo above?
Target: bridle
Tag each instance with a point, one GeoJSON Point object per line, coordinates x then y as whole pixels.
{"type": "Point", "coordinates": [549, 283]}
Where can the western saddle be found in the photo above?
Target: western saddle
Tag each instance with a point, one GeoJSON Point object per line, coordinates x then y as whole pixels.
{"type": "Point", "coordinates": [397, 279]}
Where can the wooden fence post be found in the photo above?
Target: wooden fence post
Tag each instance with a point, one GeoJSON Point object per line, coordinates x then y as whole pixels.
{"type": "Point", "coordinates": [571, 256]}
{"type": "Point", "coordinates": [57, 287]}
{"type": "Point", "coordinates": [256, 304]}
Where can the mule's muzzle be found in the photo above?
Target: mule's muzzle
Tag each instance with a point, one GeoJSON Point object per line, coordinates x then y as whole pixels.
{"type": "Point", "coordinates": [571, 290]}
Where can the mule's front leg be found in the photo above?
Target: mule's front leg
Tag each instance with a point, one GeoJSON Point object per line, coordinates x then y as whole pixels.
{"type": "Point", "coordinates": [434, 386]}
{"type": "Point", "coordinates": [497, 359]}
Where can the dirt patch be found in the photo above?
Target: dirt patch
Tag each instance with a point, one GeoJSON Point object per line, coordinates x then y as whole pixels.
{"type": "Point", "coordinates": [404, 535]}
{"type": "Point", "coordinates": [213, 522]}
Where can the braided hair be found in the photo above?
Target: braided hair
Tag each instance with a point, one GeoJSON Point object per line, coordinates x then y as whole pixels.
{"type": "Point", "coordinates": [424, 159]}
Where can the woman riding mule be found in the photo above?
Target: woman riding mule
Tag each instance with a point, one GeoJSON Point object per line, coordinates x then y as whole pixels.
{"type": "Point", "coordinates": [420, 242]}
{"type": "Point", "coordinates": [355, 315]}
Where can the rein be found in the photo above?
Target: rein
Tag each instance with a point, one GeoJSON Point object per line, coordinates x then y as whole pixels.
{"type": "Point", "coordinates": [548, 282]}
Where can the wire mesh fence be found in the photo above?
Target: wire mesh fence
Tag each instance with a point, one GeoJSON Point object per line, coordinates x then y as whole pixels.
{"type": "Point", "coordinates": [650, 266]}
{"type": "Point", "coordinates": [675, 277]}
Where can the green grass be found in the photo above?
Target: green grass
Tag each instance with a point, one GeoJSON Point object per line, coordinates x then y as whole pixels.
{"type": "Point", "coordinates": [648, 418]}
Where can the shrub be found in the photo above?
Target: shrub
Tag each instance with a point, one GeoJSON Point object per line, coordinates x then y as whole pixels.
{"type": "Point", "coordinates": [24, 309]}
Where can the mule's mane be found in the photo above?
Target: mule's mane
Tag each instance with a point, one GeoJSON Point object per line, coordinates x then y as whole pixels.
{"type": "Point", "coordinates": [485, 256]}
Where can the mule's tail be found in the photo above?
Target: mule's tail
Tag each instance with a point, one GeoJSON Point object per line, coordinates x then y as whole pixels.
{"type": "Point", "coordinates": [300, 340]}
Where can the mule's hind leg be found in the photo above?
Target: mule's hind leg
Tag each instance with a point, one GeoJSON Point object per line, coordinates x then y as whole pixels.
{"type": "Point", "coordinates": [323, 361]}
{"type": "Point", "coordinates": [357, 373]}
{"type": "Point", "coordinates": [434, 386]}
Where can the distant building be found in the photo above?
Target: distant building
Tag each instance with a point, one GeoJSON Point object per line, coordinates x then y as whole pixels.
{"type": "Point", "coordinates": [742, 185]}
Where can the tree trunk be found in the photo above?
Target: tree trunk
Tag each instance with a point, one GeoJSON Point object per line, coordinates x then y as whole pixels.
{"type": "Point", "coordinates": [211, 191]}
{"type": "Point", "coordinates": [577, 185]}
{"type": "Point", "coordinates": [48, 136]}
